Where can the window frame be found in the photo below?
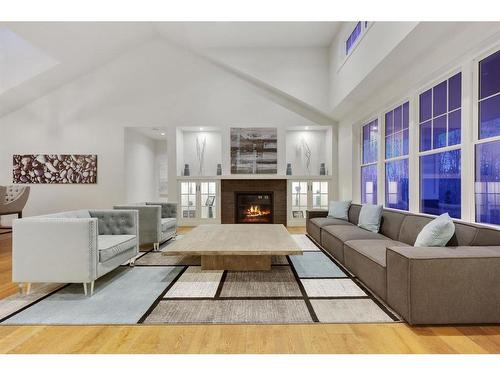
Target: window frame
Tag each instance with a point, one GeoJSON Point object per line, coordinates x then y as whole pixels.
{"type": "Point", "coordinates": [475, 128]}
{"type": "Point", "coordinates": [361, 125]}
{"type": "Point", "coordinates": [343, 56]}
{"type": "Point", "coordinates": [418, 154]}
{"type": "Point", "coordinates": [385, 160]}
{"type": "Point", "coordinates": [468, 65]}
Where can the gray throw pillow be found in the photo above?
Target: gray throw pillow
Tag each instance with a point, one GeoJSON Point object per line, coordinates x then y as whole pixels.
{"type": "Point", "coordinates": [369, 217]}
{"type": "Point", "coordinates": [339, 209]}
{"type": "Point", "coordinates": [437, 233]}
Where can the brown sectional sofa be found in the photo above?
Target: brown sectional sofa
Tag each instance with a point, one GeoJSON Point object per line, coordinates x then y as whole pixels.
{"type": "Point", "coordinates": [456, 284]}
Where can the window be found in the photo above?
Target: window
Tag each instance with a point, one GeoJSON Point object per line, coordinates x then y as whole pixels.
{"type": "Point", "coordinates": [487, 186]}
{"type": "Point", "coordinates": [487, 149]}
{"type": "Point", "coordinates": [489, 96]}
{"type": "Point", "coordinates": [355, 34]}
{"type": "Point", "coordinates": [440, 114]}
{"type": "Point", "coordinates": [396, 155]}
{"type": "Point", "coordinates": [440, 156]}
{"type": "Point", "coordinates": [369, 163]}
{"type": "Point", "coordinates": [440, 183]}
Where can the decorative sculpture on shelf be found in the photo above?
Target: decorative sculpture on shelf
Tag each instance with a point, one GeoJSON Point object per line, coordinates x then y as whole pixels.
{"type": "Point", "coordinates": [322, 169]}
{"type": "Point", "coordinates": [186, 170]}
{"type": "Point", "coordinates": [219, 169]}
{"type": "Point", "coordinates": [307, 155]}
{"type": "Point", "coordinates": [289, 169]}
{"type": "Point", "coordinates": [200, 154]}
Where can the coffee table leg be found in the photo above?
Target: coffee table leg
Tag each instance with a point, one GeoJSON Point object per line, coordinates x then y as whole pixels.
{"type": "Point", "coordinates": [236, 262]}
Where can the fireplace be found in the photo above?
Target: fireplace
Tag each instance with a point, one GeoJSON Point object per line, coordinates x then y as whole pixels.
{"type": "Point", "coordinates": [274, 188]}
{"type": "Point", "coordinates": [254, 208]}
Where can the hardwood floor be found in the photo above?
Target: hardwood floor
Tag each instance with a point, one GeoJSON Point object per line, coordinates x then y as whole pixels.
{"type": "Point", "coordinates": [300, 338]}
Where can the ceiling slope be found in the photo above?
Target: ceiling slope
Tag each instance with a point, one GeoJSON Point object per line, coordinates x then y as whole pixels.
{"type": "Point", "coordinates": [78, 47]}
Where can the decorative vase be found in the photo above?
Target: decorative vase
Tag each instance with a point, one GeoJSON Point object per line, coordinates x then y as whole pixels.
{"type": "Point", "coordinates": [289, 169]}
{"type": "Point", "coordinates": [219, 169]}
{"type": "Point", "coordinates": [322, 170]}
{"type": "Point", "coordinates": [186, 169]}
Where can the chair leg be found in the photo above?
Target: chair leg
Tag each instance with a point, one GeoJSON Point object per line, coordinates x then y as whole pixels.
{"type": "Point", "coordinates": [21, 288]}
{"type": "Point", "coordinates": [91, 288]}
{"type": "Point", "coordinates": [85, 288]}
{"type": "Point", "coordinates": [132, 262]}
{"type": "Point", "coordinates": [28, 288]}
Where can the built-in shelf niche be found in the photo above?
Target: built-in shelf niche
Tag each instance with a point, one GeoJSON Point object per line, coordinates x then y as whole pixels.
{"type": "Point", "coordinates": [187, 154]}
{"type": "Point", "coordinates": [319, 140]}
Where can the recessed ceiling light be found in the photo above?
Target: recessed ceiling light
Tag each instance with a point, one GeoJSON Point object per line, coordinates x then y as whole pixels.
{"type": "Point", "coordinates": [162, 133]}
{"type": "Point", "coordinates": [201, 128]}
{"type": "Point", "coordinates": [307, 127]}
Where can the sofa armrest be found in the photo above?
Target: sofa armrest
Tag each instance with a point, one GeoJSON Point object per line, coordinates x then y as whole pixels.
{"type": "Point", "coordinates": [54, 250]}
{"type": "Point", "coordinates": [311, 214]}
{"type": "Point", "coordinates": [168, 210]}
{"type": "Point", "coordinates": [149, 221]}
{"type": "Point", "coordinates": [113, 222]}
{"type": "Point", "coordinates": [444, 285]}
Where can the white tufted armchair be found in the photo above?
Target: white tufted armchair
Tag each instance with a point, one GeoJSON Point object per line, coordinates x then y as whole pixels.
{"type": "Point", "coordinates": [13, 198]}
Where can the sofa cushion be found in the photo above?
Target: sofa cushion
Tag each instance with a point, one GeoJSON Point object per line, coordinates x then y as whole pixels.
{"type": "Point", "coordinates": [370, 217]}
{"type": "Point", "coordinates": [411, 227]}
{"type": "Point", "coordinates": [324, 221]}
{"type": "Point", "coordinates": [333, 238]}
{"type": "Point", "coordinates": [367, 259]}
{"type": "Point", "coordinates": [339, 209]}
{"type": "Point", "coordinates": [390, 225]}
{"type": "Point", "coordinates": [375, 250]}
{"type": "Point", "coordinates": [167, 224]}
{"type": "Point", "coordinates": [111, 245]}
{"type": "Point", "coordinates": [350, 232]}
{"type": "Point", "coordinates": [354, 213]}
{"type": "Point", "coordinates": [437, 233]}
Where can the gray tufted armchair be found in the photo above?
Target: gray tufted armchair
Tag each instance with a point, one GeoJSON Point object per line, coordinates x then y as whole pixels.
{"type": "Point", "coordinates": [157, 221]}
{"type": "Point", "coordinates": [13, 198]}
{"type": "Point", "coordinates": [73, 247]}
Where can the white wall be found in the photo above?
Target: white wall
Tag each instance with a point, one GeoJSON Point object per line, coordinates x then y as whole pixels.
{"type": "Point", "coordinates": [317, 142]}
{"type": "Point", "coordinates": [213, 152]}
{"type": "Point", "coordinates": [345, 74]}
{"type": "Point", "coordinates": [155, 85]}
{"type": "Point", "coordinates": [161, 168]}
{"type": "Point", "coordinates": [141, 178]}
{"type": "Point", "coordinates": [300, 72]}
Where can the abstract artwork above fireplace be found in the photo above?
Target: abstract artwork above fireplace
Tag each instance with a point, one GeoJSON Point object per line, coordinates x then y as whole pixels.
{"type": "Point", "coordinates": [254, 151]}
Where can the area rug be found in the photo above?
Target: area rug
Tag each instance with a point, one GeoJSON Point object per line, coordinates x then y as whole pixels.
{"type": "Point", "coordinates": [311, 288]}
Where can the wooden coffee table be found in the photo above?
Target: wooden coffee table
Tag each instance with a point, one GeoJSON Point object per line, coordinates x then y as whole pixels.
{"type": "Point", "coordinates": [236, 247]}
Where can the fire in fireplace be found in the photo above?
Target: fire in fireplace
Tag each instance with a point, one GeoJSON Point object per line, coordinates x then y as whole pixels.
{"type": "Point", "coordinates": [254, 208]}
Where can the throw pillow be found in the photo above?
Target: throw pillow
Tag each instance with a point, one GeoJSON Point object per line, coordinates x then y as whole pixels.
{"type": "Point", "coordinates": [369, 217]}
{"type": "Point", "coordinates": [437, 233]}
{"type": "Point", "coordinates": [339, 209]}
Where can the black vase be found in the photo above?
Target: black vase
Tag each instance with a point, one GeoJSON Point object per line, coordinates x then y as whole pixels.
{"type": "Point", "coordinates": [186, 170]}
{"type": "Point", "coordinates": [322, 170]}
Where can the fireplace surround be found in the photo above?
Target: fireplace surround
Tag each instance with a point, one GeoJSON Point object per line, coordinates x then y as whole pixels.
{"type": "Point", "coordinates": [272, 193]}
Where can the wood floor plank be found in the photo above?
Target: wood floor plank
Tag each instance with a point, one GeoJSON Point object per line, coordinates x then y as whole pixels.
{"type": "Point", "coordinates": [293, 338]}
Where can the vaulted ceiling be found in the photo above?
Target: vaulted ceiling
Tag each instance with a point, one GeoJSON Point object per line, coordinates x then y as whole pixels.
{"type": "Point", "coordinates": [78, 48]}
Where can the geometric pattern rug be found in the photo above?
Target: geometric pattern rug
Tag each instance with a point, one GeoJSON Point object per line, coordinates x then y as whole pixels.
{"type": "Point", "coordinates": [312, 288]}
